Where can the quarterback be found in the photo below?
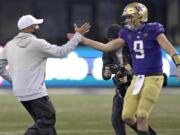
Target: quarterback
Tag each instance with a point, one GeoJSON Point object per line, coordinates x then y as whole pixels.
{"type": "Point", "coordinates": [144, 41]}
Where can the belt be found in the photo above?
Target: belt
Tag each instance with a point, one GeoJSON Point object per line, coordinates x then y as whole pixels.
{"type": "Point", "coordinates": [152, 74]}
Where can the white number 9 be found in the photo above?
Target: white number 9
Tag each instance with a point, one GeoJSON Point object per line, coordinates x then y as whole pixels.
{"type": "Point", "coordinates": [139, 49]}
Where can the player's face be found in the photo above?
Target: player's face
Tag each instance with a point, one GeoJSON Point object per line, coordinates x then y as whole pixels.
{"type": "Point", "coordinates": [131, 21]}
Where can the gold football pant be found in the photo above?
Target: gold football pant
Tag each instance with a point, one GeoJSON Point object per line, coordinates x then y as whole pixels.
{"type": "Point", "coordinates": [141, 105]}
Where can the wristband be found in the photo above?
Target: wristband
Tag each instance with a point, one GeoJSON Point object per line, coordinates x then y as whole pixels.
{"type": "Point", "coordinates": [176, 59]}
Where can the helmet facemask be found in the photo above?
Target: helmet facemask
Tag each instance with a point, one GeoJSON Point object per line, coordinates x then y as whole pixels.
{"type": "Point", "coordinates": [131, 21]}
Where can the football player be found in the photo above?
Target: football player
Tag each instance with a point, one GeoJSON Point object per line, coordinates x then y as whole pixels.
{"type": "Point", "coordinates": [118, 63]}
{"type": "Point", "coordinates": [144, 41]}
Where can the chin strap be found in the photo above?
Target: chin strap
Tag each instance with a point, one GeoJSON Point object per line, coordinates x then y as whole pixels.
{"type": "Point", "coordinates": [176, 59]}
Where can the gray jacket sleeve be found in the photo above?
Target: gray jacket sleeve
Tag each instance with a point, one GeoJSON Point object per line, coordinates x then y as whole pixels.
{"type": "Point", "coordinates": [49, 50]}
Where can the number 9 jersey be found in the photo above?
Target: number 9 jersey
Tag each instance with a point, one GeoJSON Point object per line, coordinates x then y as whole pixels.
{"type": "Point", "coordinates": [145, 51]}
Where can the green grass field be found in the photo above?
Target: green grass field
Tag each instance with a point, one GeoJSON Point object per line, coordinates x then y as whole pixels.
{"type": "Point", "coordinates": [88, 114]}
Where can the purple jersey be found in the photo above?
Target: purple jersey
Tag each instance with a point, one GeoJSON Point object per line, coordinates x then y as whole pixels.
{"type": "Point", "coordinates": [145, 51]}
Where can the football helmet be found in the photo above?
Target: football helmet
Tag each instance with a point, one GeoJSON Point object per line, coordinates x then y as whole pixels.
{"type": "Point", "coordinates": [134, 15]}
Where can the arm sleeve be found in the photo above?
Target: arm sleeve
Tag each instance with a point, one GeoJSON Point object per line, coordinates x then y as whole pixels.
{"type": "Point", "coordinates": [49, 50]}
{"type": "Point", "coordinates": [122, 34]}
{"type": "Point", "coordinates": [158, 29]}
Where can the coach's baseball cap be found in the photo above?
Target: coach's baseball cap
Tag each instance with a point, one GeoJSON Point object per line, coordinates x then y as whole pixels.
{"type": "Point", "coordinates": [28, 20]}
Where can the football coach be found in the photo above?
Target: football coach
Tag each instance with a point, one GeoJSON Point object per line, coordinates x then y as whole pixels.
{"type": "Point", "coordinates": [26, 57]}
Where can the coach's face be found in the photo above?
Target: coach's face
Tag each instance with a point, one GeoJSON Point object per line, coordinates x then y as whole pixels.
{"type": "Point", "coordinates": [31, 29]}
{"type": "Point", "coordinates": [35, 28]}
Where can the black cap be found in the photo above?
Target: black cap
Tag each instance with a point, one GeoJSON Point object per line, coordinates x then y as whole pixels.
{"type": "Point", "coordinates": [113, 31]}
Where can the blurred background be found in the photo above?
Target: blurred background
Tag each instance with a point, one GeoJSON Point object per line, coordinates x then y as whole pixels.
{"type": "Point", "coordinates": [83, 66]}
{"type": "Point", "coordinates": [86, 109]}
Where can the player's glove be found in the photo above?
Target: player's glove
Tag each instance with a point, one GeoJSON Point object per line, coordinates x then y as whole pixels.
{"type": "Point", "coordinates": [176, 59]}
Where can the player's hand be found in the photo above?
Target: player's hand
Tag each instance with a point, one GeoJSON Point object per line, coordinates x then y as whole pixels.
{"type": "Point", "coordinates": [82, 29]}
{"type": "Point", "coordinates": [178, 72]}
{"type": "Point", "coordinates": [107, 72]}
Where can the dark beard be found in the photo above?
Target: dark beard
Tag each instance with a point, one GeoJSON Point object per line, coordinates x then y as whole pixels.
{"type": "Point", "coordinates": [36, 32]}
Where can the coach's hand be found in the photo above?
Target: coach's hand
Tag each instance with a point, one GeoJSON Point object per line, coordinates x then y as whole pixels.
{"type": "Point", "coordinates": [82, 29]}
{"type": "Point", "coordinates": [70, 35]}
